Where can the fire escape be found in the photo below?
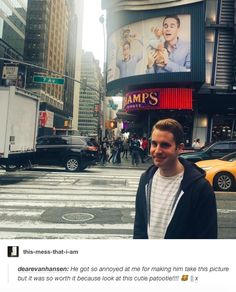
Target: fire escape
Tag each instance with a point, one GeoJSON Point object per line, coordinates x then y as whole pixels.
{"type": "Point", "coordinates": [224, 47]}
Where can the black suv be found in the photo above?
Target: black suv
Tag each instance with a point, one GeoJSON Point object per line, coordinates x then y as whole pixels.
{"type": "Point", "coordinates": [212, 151]}
{"type": "Point", "coordinates": [75, 153]}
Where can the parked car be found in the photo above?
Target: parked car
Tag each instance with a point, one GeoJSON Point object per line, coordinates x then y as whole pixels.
{"type": "Point", "coordinates": [221, 173]}
{"type": "Point", "coordinates": [213, 151]}
{"type": "Point", "coordinates": [75, 153]}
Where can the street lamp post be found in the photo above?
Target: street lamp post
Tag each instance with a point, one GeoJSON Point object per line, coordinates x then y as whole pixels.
{"type": "Point", "coordinates": [102, 100]}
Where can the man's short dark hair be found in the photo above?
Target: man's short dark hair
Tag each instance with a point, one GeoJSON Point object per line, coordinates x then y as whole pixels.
{"type": "Point", "coordinates": [176, 17]}
{"type": "Point", "coordinates": [173, 127]}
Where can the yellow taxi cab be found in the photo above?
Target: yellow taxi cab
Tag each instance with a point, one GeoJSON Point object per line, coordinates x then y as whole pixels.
{"type": "Point", "coordinates": [221, 173]}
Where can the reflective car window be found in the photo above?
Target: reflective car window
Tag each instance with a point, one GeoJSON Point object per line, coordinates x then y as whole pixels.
{"type": "Point", "coordinates": [232, 146]}
{"type": "Point", "coordinates": [78, 141]}
{"type": "Point", "coordinates": [54, 141]}
{"type": "Point", "coordinates": [57, 141]}
{"type": "Point", "coordinates": [220, 146]}
{"type": "Point", "coordinates": [90, 143]}
{"type": "Point", "coordinates": [229, 157]}
{"type": "Point", "coordinates": [43, 141]}
{"type": "Point", "coordinates": [232, 159]}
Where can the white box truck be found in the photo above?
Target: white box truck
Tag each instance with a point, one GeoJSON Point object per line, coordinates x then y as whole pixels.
{"type": "Point", "coordinates": [19, 110]}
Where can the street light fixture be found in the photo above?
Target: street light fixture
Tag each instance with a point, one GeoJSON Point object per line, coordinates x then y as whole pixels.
{"type": "Point", "coordinates": [102, 21]}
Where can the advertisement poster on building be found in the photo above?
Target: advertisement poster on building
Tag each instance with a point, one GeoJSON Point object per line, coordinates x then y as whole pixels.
{"type": "Point", "coordinates": [156, 45]}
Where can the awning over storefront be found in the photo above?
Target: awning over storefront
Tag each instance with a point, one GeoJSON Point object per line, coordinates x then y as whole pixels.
{"type": "Point", "coordinates": [124, 116]}
{"type": "Point", "coordinates": [159, 98]}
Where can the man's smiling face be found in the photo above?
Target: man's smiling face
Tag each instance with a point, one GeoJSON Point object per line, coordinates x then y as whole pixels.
{"type": "Point", "coordinates": [170, 30]}
{"type": "Point", "coordinates": [164, 150]}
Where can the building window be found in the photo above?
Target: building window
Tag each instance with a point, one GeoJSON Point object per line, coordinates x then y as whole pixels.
{"type": "Point", "coordinates": [210, 44]}
{"type": "Point", "coordinates": [211, 11]}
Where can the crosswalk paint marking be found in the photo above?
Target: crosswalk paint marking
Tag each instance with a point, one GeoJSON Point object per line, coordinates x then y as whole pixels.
{"type": "Point", "coordinates": [23, 203]}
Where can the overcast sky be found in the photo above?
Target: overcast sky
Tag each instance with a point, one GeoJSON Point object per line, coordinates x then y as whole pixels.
{"type": "Point", "coordinates": [93, 39]}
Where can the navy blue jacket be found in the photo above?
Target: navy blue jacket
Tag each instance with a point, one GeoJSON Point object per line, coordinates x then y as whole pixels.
{"type": "Point", "coordinates": [194, 214]}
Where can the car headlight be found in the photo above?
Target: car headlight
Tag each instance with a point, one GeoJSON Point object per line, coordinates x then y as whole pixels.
{"type": "Point", "coordinates": [206, 168]}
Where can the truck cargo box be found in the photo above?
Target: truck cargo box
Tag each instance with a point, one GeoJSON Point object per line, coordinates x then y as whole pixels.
{"type": "Point", "coordinates": [18, 122]}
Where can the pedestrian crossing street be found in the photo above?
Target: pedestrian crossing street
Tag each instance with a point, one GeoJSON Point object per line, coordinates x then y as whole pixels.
{"type": "Point", "coordinates": [95, 204]}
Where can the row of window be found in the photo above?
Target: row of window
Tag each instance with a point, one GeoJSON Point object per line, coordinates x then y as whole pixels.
{"type": "Point", "coordinates": [87, 125]}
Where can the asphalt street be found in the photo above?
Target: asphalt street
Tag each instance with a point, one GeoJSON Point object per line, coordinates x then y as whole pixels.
{"type": "Point", "coordinates": [98, 203]}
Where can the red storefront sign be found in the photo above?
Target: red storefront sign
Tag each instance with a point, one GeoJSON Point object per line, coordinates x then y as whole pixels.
{"type": "Point", "coordinates": [159, 98]}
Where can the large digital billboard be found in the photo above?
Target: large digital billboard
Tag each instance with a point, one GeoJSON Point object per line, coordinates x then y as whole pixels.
{"type": "Point", "coordinates": [156, 48]}
{"type": "Point", "coordinates": [157, 45]}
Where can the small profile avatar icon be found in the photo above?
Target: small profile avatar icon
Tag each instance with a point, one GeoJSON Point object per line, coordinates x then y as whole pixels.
{"type": "Point", "coordinates": [13, 251]}
{"type": "Point", "coordinates": [184, 278]}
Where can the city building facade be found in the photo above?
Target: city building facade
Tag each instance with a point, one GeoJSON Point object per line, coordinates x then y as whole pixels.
{"type": "Point", "coordinates": [216, 100]}
{"type": "Point", "coordinates": [202, 94]}
{"type": "Point", "coordinates": [77, 61]}
{"type": "Point", "coordinates": [50, 42]}
{"type": "Point", "coordinates": [91, 97]}
{"type": "Point", "coordinates": [12, 36]}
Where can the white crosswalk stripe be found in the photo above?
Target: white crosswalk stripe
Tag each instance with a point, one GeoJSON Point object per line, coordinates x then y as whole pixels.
{"type": "Point", "coordinates": [34, 204]}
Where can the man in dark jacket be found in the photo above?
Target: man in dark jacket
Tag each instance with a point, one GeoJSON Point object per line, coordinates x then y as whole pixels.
{"type": "Point", "coordinates": [174, 200]}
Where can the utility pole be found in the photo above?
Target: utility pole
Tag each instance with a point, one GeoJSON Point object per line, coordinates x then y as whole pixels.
{"type": "Point", "coordinates": [102, 21]}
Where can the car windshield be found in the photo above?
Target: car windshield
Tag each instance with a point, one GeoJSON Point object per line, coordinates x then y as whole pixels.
{"type": "Point", "coordinates": [230, 157]}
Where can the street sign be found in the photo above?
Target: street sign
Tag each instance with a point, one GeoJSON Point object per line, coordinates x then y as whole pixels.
{"type": "Point", "coordinates": [48, 80]}
{"type": "Point", "coordinates": [10, 72]}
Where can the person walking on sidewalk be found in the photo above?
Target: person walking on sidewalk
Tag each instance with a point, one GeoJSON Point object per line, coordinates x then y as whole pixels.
{"type": "Point", "coordinates": [118, 148]}
{"type": "Point", "coordinates": [174, 200]}
{"type": "Point", "coordinates": [104, 146]}
{"type": "Point", "coordinates": [135, 149]}
{"type": "Point", "coordinates": [196, 144]}
{"type": "Point", "coordinates": [125, 149]}
{"type": "Point", "coordinates": [143, 148]}
{"type": "Point", "coordinates": [113, 153]}
{"type": "Point", "coordinates": [144, 145]}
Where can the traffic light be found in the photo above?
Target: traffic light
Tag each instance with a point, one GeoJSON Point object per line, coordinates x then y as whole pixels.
{"type": "Point", "coordinates": [112, 124]}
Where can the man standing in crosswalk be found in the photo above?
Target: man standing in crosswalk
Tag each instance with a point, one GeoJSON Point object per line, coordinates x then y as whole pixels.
{"type": "Point", "coordinates": [174, 200]}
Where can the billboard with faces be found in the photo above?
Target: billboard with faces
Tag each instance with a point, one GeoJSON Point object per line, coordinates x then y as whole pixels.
{"type": "Point", "coordinates": [156, 45]}
{"type": "Point", "coordinates": [164, 49]}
